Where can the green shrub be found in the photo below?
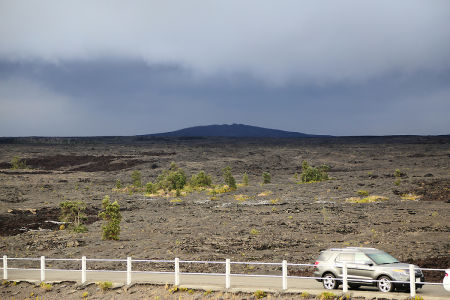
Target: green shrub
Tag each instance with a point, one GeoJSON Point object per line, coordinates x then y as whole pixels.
{"type": "Point", "coordinates": [110, 214]}
{"type": "Point", "coordinates": [228, 178]}
{"type": "Point", "coordinates": [72, 212]}
{"type": "Point", "coordinates": [18, 163]}
{"type": "Point", "coordinates": [136, 178]}
{"type": "Point", "coordinates": [363, 193]}
{"type": "Point", "coordinates": [104, 285]}
{"type": "Point", "coordinates": [200, 180]}
{"type": "Point", "coordinates": [313, 174]}
{"type": "Point", "coordinates": [172, 179]}
{"type": "Point", "coordinates": [266, 177]}
{"type": "Point", "coordinates": [150, 188]}
{"type": "Point", "coordinates": [260, 294]}
{"type": "Point", "coordinates": [245, 179]}
{"type": "Point", "coordinates": [118, 184]}
{"type": "Point", "coordinates": [398, 173]}
{"type": "Point", "coordinates": [327, 296]}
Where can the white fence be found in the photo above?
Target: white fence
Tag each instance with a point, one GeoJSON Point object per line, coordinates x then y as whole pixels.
{"type": "Point", "coordinates": [176, 270]}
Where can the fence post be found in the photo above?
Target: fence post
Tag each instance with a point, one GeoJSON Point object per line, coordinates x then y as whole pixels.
{"type": "Point", "coordinates": [128, 270]}
{"type": "Point", "coordinates": [42, 268]}
{"type": "Point", "coordinates": [412, 280]}
{"type": "Point", "coordinates": [227, 273]}
{"type": "Point", "coordinates": [344, 275]}
{"type": "Point", "coordinates": [177, 271]}
{"type": "Point", "coordinates": [83, 269]}
{"type": "Point", "coordinates": [5, 267]}
{"type": "Point", "coordinates": [284, 275]}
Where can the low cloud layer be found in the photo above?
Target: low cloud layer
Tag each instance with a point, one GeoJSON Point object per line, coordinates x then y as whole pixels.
{"type": "Point", "coordinates": [114, 67]}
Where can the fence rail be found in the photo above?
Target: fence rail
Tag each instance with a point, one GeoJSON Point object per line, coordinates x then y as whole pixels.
{"type": "Point", "coordinates": [176, 270]}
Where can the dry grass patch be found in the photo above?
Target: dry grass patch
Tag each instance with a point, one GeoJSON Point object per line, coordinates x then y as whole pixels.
{"type": "Point", "coordinates": [369, 199]}
{"type": "Point", "coordinates": [410, 196]}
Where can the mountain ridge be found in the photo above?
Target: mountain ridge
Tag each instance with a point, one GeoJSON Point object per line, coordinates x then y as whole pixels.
{"type": "Point", "coordinates": [233, 130]}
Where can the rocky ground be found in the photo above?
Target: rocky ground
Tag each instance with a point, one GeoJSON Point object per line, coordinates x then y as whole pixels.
{"type": "Point", "coordinates": [270, 222]}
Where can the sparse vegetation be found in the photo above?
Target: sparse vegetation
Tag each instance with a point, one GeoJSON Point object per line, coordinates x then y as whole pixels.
{"type": "Point", "coordinates": [104, 285]}
{"type": "Point", "coordinates": [254, 231]}
{"type": "Point", "coordinates": [363, 193]}
{"type": "Point", "coordinates": [326, 296]}
{"type": "Point", "coordinates": [136, 178]}
{"type": "Point", "coordinates": [260, 294]}
{"type": "Point", "coordinates": [46, 286]}
{"type": "Point", "coordinates": [228, 178]}
{"type": "Point", "coordinates": [201, 180]}
{"type": "Point", "coordinates": [112, 217]}
{"type": "Point", "coordinates": [150, 188]}
{"type": "Point", "coordinates": [312, 174]}
{"type": "Point", "coordinates": [241, 197]}
{"type": "Point", "coordinates": [172, 179]}
{"type": "Point", "coordinates": [18, 163]}
{"type": "Point", "coordinates": [85, 295]}
{"type": "Point", "coordinates": [266, 177]}
{"type": "Point", "coordinates": [369, 199]}
{"type": "Point", "coordinates": [118, 184]}
{"type": "Point", "coordinates": [410, 196]}
{"type": "Point", "coordinates": [245, 179]}
{"type": "Point", "coordinates": [397, 181]}
{"type": "Point", "coordinates": [398, 173]}
{"type": "Point", "coordinates": [72, 212]}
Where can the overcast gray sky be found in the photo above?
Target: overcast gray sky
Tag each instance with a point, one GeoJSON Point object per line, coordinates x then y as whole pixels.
{"type": "Point", "coordinates": [134, 67]}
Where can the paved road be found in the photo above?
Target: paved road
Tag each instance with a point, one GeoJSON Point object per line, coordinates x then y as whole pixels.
{"type": "Point", "coordinates": [210, 282]}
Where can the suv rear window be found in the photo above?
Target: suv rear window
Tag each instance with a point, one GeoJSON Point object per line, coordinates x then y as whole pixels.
{"type": "Point", "coordinates": [324, 256]}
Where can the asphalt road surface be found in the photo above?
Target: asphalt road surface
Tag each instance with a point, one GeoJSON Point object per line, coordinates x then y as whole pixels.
{"type": "Point", "coordinates": [212, 282]}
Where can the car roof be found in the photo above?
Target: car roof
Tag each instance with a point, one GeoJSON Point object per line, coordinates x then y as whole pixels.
{"type": "Point", "coordinates": [354, 249]}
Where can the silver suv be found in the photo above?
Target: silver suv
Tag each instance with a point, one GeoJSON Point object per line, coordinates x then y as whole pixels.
{"type": "Point", "coordinates": [363, 266]}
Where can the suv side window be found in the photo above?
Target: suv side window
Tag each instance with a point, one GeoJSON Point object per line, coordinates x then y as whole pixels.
{"type": "Point", "coordinates": [346, 257]}
{"type": "Point", "coordinates": [361, 258]}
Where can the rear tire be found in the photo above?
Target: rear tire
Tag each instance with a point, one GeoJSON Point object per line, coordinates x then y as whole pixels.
{"type": "Point", "coordinates": [385, 284]}
{"type": "Point", "coordinates": [329, 282]}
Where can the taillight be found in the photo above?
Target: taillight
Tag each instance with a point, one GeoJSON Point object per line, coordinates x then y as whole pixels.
{"type": "Point", "coordinates": [446, 274]}
{"type": "Point", "coordinates": [316, 264]}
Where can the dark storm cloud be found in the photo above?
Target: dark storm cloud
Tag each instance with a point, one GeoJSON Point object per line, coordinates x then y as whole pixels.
{"type": "Point", "coordinates": [329, 67]}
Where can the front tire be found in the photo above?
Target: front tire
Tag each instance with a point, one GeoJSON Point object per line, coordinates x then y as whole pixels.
{"type": "Point", "coordinates": [385, 284]}
{"type": "Point", "coordinates": [329, 282]}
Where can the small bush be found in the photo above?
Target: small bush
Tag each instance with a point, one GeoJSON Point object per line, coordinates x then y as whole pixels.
{"type": "Point", "coordinates": [118, 184]}
{"type": "Point", "coordinates": [85, 295]}
{"type": "Point", "coordinates": [150, 188]}
{"type": "Point", "coordinates": [136, 178]}
{"type": "Point", "coordinates": [260, 294]}
{"type": "Point", "coordinates": [398, 173]}
{"type": "Point", "coordinates": [312, 174]}
{"type": "Point", "coordinates": [104, 285]}
{"type": "Point", "coordinates": [327, 296]}
{"type": "Point", "coordinates": [363, 193]}
{"type": "Point", "coordinates": [200, 180]}
{"type": "Point", "coordinates": [266, 177]}
{"type": "Point", "coordinates": [172, 179]}
{"type": "Point", "coordinates": [110, 214]}
{"type": "Point", "coordinates": [228, 178]}
{"type": "Point", "coordinates": [18, 163]}
{"type": "Point", "coordinates": [72, 212]}
{"type": "Point", "coordinates": [254, 231]}
{"type": "Point", "coordinates": [397, 181]}
{"type": "Point", "coordinates": [245, 179]}
{"type": "Point", "coordinates": [46, 286]}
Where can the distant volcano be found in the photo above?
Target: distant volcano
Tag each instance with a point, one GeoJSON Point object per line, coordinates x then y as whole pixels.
{"type": "Point", "coordinates": [234, 130]}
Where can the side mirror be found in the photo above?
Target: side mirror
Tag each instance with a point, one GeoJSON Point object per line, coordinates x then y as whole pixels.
{"type": "Point", "coordinates": [370, 264]}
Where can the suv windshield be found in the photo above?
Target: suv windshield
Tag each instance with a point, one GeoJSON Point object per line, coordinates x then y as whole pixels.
{"type": "Point", "coordinates": [382, 258]}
